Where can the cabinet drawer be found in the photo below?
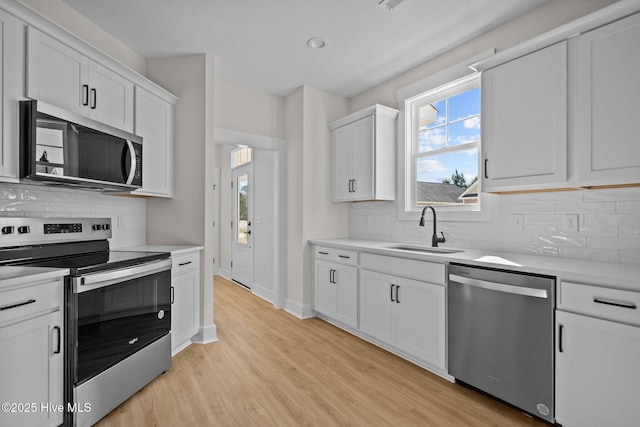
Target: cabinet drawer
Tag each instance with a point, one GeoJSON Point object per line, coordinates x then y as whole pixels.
{"type": "Point", "coordinates": [337, 255]}
{"type": "Point", "coordinates": [613, 304]}
{"type": "Point", "coordinates": [420, 270]}
{"type": "Point", "coordinates": [30, 300]}
{"type": "Point", "coordinates": [186, 262]}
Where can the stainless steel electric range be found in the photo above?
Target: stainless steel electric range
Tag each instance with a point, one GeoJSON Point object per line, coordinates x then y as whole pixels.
{"type": "Point", "coordinates": [118, 308]}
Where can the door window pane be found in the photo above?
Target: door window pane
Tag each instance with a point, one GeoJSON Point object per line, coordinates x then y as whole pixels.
{"type": "Point", "coordinates": [242, 186]}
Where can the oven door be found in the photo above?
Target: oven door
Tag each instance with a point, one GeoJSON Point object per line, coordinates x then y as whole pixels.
{"type": "Point", "coordinates": [114, 314]}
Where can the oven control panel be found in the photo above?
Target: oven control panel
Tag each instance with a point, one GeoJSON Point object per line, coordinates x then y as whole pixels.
{"type": "Point", "coordinates": [30, 231]}
{"type": "Point", "coordinates": [62, 228]}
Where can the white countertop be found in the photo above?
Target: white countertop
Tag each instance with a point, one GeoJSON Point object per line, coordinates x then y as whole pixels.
{"type": "Point", "coordinates": [174, 249]}
{"type": "Point", "coordinates": [11, 277]}
{"type": "Point", "coordinates": [607, 274]}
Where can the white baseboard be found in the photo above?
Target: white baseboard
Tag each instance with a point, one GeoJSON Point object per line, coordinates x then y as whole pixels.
{"type": "Point", "coordinates": [206, 334]}
{"type": "Point", "coordinates": [262, 292]}
{"type": "Point", "coordinates": [298, 310]}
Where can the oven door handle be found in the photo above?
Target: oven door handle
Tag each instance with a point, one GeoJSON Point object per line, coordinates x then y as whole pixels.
{"type": "Point", "coordinates": [499, 287]}
{"type": "Point", "coordinates": [97, 280]}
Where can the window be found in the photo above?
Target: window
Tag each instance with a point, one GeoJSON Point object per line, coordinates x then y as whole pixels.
{"type": "Point", "coordinates": [443, 142]}
{"type": "Point", "coordinates": [240, 156]}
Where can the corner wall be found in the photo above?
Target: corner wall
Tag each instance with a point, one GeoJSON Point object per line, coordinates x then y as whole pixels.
{"type": "Point", "coordinates": [187, 218]}
{"type": "Point", "coordinates": [310, 212]}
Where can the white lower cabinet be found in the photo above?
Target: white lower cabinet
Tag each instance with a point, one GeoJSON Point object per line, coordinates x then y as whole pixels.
{"type": "Point", "coordinates": [336, 285]}
{"type": "Point", "coordinates": [32, 355]}
{"type": "Point", "coordinates": [185, 300]}
{"type": "Point", "coordinates": [336, 292]}
{"type": "Point", "coordinates": [597, 360]}
{"type": "Point", "coordinates": [405, 313]}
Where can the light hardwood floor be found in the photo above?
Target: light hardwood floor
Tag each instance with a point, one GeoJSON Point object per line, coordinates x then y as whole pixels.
{"type": "Point", "coordinates": [271, 369]}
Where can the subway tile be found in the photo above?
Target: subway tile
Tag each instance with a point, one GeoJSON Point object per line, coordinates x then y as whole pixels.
{"type": "Point", "coordinates": [630, 232]}
{"type": "Point", "coordinates": [612, 194]}
{"type": "Point", "coordinates": [541, 208]}
{"type": "Point", "coordinates": [609, 255]}
{"type": "Point", "coordinates": [632, 257]}
{"type": "Point", "coordinates": [560, 240]}
{"type": "Point", "coordinates": [611, 243]}
{"type": "Point", "coordinates": [576, 196]}
{"type": "Point", "coordinates": [42, 193]}
{"type": "Point", "coordinates": [598, 230]}
{"type": "Point", "coordinates": [631, 207]}
{"type": "Point", "coordinates": [546, 219]}
{"type": "Point", "coordinates": [70, 207]}
{"type": "Point", "coordinates": [602, 219]}
{"type": "Point", "coordinates": [18, 205]}
{"type": "Point", "coordinates": [591, 207]}
{"type": "Point", "coordinates": [10, 193]}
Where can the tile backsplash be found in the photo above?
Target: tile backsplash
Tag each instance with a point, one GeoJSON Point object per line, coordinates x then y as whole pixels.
{"type": "Point", "coordinates": [608, 225]}
{"type": "Point", "coordinates": [128, 214]}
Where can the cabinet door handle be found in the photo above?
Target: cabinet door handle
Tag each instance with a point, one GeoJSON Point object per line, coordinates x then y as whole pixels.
{"type": "Point", "coordinates": [173, 294]}
{"type": "Point", "coordinates": [486, 175]}
{"type": "Point", "coordinates": [18, 304]}
{"type": "Point", "coordinates": [85, 94]}
{"type": "Point", "coordinates": [182, 264]}
{"type": "Point", "coordinates": [94, 98]}
{"type": "Point", "coordinates": [323, 253]}
{"type": "Point", "coordinates": [560, 330]}
{"type": "Point", "coordinates": [392, 286]}
{"type": "Point", "coordinates": [59, 346]}
{"type": "Point", "coordinates": [398, 294]}
{"type": "Point", "coordinates": [621, 304]}
{"type": "Point", "coordinates": [354, 185]}
{"type": "Point", "coordinates": [351, 186]}
{"type": "Point", "coordinates": [344, 256]}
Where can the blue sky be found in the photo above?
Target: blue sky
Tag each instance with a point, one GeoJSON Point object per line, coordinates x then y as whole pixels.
{"type": "Point", "coordinates": [463, 127]}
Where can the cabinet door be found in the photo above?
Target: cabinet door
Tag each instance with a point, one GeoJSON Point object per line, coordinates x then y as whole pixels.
{"type": "Point", "coordinates": [32, 370]}
{"type": "Point", "coordinates": [421, 321]}
{"type": "Point", "coordinates": [154, 123]}
{"type": "Point", "coordinates": [524, 122]}
{"type": "Point", "coordinates": [11, 87]}
{"type": "Point", "coordinates": [184, 309]}
{"type": "Point", "coordinates": [346, 281]}
{"type": "Point", "coordinates": [326, 292]}
{"type": "Point", "coordinates": [607, 103]}
{"type": "Point", "coordinates": [56, 74]}
{"type": "Point", "coordinates": [377, 302]}
{"type": "Point", "coordinates": [363, 149]}
{"type": "Point", "coordinates": [353, 147]}
{"type": "Point", "coordinates": [110, 97]}
{"type": "Point", "coordinates": [597, 372]}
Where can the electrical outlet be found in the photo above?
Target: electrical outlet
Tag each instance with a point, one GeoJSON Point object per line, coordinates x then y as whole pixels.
{"type": "Point", "coordinates": [518, 221]}
{"type": "Point", "coordinates": [571, 222]}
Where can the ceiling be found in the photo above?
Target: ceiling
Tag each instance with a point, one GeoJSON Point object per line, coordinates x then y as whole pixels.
{"type": "Point", "coordinates": [263, 44]}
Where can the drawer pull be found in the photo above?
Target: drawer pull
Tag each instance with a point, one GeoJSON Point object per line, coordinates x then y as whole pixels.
{"type": "Point", "coordinates": [323, 253]}
{"type": "Point", "coordinates": [19, 304]}
{"type": "Point", "coordinates": [182, 264]}
{"type": "Point", "coordinates": [344, 256]}
{"type": "Point", "coordinates": [629, 305]}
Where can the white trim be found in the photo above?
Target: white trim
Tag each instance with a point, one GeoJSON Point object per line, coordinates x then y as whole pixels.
{"type": "Point", "coordinates": [298, 310]}
{"type": "Point", "coordinates": [442, 80]}
{"type": "Point", "coordinates": [206, 334]}
{"type": "Point", "coordinates": [232, 137]}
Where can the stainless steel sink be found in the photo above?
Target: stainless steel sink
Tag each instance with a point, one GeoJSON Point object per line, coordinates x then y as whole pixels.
{"type": "Point", "coordinates": [425, 249]}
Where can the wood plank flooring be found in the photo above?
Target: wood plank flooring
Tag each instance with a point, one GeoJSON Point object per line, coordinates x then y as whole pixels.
{"type": "Point", "coordinates": [271, 369]}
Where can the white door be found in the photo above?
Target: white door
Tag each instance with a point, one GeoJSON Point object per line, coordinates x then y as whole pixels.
{"type": "Point", "coordinates": [242, 215]}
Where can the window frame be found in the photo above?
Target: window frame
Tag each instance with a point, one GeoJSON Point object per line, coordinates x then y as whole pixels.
{"type": "Point", "coordinates": [441, 82]}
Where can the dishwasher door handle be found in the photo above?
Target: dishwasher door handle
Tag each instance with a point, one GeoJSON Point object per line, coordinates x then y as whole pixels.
{"type": "Point", "coordinates": [500, 287]}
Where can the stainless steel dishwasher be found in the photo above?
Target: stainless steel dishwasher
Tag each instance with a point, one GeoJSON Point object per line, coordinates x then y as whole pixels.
{"type": "Point", "coordinates": [501, 335]}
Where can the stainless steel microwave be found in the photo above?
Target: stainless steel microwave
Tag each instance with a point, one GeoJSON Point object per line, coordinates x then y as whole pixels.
{"type": "Point", "coordinates": [60, 147]}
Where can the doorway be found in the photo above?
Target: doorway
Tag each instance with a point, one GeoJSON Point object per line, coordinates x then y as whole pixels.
{"type": "Point", "coordinates": [242, 215]}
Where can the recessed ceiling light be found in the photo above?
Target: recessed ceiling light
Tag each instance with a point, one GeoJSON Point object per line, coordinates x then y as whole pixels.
{"type": "Point", "coordinates": [317, 43]}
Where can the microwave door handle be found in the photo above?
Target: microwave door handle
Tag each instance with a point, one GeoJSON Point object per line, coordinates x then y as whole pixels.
{"type": "Point", "coordinates": [132, 162]}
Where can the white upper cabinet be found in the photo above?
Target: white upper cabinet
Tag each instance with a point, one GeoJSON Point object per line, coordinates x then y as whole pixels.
{"type": "Point", "coordinates": [606, 99]}
{"type": "Point", "coordinates": [154, 123]}
{"type": "Point", "coordinates": [11, 84]}
{"type": "Point", "coordinates": [62, 76]}
{"type": "Point", "coordinates": [363, 155]}
{"type": "Point", "coordinates": [524, 122]}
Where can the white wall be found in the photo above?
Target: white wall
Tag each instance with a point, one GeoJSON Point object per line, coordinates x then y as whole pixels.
{"type": "Point", "coordinates": [187, 217]}
{"type": "Point", "coordinates": [67, 17]}
{"type": "Point", "coordinates": [310, 212]}
{"type": "Point", "coordinates": [247, 110]}
{"type": "Point", "coordinates": [127, 213]}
